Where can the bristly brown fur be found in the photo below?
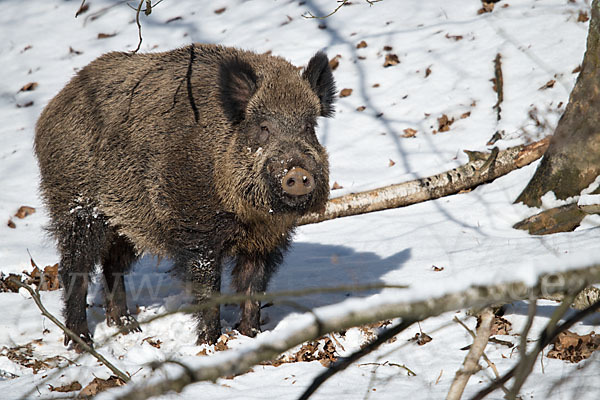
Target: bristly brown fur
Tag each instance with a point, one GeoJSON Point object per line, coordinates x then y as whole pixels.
{"type": "Point", "coordinates": [181, 154]}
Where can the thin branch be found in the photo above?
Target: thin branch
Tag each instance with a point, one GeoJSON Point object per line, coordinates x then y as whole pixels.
{"type": "Point", "coordinates": [80, 9]}
{"type": "Point", "coordinates": [484, 356]}
{"type": "Point", "coordinates": [498, 84]}
{"type": "Point", "coordinates": [471, 363]}
{"type": "Point", "coordinates": [342, 3]}
{"type": "Point", "coordinates": [343, 363]}
{"type": "Point", "coordinates": [310, 15]}
{"type": "Point", "coordinates": [481, 168]}
{"type": "Point", "coordinates": [36, 298]}
{"type": "Point", "coordinates": [139, 25]}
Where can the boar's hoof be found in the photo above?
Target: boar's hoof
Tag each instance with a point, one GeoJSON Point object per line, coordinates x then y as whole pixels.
{"type": "Point", "coordinates": [125, 323]}
{"type": "Point", "coordinates": [298, 182]}
{"type": "Point", "coordinates": [247, 330]}
{"type": "Point", "coordinates": [76, 346]}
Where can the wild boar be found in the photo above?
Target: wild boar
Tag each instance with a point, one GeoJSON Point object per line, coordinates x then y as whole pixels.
{"type": "Point", "coordinates": [199, 154]}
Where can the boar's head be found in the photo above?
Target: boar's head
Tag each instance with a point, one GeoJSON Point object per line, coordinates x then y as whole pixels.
{"type": "Point", "coordinates": [274, 159]}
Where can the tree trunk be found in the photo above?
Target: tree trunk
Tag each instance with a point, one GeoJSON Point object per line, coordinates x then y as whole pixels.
{"type": "Point", "coordinates": [572, 160]}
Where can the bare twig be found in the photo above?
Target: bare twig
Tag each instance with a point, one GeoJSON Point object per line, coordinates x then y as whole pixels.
{"type": "Point", "coordinates": [36, 298]}
{"type": "Point", "coordinates": [139, 25]}
{"type": "Point", "coordinates": [80, 9]}
{"type": "Point", "coordinates": [343, 363]}
{"type": "Point", "coordinates": [340, 5]}
{"type": "Point", "coordinates": [471, 363]}
{"type": "Point", "coordinates": [498, 84]}
{"type": "Point", "coordinates": [484, 356]}
{"type": "Point", "coordinates": [481, 168]}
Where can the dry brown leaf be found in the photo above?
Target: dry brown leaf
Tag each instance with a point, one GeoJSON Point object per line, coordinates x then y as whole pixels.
{"type": "Point", "coordinates": [571, 347]}
{"type": "Point", "coordinates": [321, 349]}
{"type": "Point", "coordinates": [202, 352]}
{"type": "Point", "coordinates": [361, 45]}
{"type": "Point", "coordinates": [487, 7]}
{"type": "Point", "coordinates": [24, 211]}
{"type": "Point", "coordinates": [336, 186]}
{"type": "Point", "coordinates": [390, 60]}
{"type": "Point", "coordinates": [500, 326]}
{"type": "Point", "coordinates": [11, 224]}
{"type": "Point", "coordinates": [387, 48]}
{"type": "Point", "coordinates": [454, 37]}
{"type": "Point", "coordinates": [220, 10]}
{"type": "Point", "coordinates": [71, 387]}
{"type": "Point", "coordinates": [106, 35]}
{"type": "Point", "coordinates": [465, 115]}
{"type": "Point", "coordinates": [548, 85]}
{"type": "Point", "coordinates": [345, 92]}
{"type": "Point", "coordinates": [152, 342]}
{"type": "Point", "coordinates": [583, 16]}
{"type": "Point", "coordinates": [577, 69]}
{"type": "Point", "coordinates": [421, 338]}
{"type": "Point", "coordinates": [361, 108]}
{"type": "Point", "coordinates": [50, 280]}
{"type": "Point", "coordinates": [391, 163]}
{"type": "Point", "coordinates": [409, 132]}
{"type": "Point", "coordinates": [428, 71]}
{"type": "Point", "coordinates": [436, 268]}
{"type": "Point", "coordinates": [222, 342]}
{"type": "Point", "coordinates": [98, 385]}
{"type": "Point", "coordinates": [29, 87]}
{"type": "Point", "coordinates": [335, 62]}
{"type": "Point", "coordinates": [444, 123]}
{"type": "Point", "coordinates": [6, 284]}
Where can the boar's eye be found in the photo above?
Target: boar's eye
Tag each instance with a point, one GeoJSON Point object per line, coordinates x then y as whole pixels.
{"type": "Point", "coordinates": [264, 133]}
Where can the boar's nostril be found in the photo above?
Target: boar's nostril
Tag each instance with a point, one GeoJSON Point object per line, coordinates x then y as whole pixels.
{"type": "Point", "coordinates": [298, 182]}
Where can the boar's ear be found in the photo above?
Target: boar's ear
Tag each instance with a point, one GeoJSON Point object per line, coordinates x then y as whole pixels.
{"type": "Point", "coordinates": [318, 74]}
{"type": "Point", "coordinates": [237, 84]}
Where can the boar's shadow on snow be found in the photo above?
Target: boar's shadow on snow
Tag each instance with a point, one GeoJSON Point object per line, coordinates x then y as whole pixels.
{"type": "Point", "coordinates": [307, 265]}
{"type": "Point", "coordinates": [197, 154]}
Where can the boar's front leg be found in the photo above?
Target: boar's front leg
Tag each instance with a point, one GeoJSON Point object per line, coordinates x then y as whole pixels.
{"type": "Point", "coordinates": [251, 275]}
{"type": "Point", "coordinates": [203, 278]}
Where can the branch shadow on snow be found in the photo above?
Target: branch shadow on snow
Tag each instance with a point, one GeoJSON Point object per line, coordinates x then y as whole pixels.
{"type": "Point", "coordinates": [151, 285]}
{"type": "Point", "coordinates": [547, 310]}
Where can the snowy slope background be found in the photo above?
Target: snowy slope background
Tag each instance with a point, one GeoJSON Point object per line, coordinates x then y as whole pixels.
{"type": "Point", "coordinates": [446, 52]}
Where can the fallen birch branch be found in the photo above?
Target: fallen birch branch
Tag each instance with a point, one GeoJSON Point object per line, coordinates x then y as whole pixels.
{"type": "Point", "coordinates": [481, 168]}
{"type": "Point", "coordinates": [235, 362]}
{"type": "Point", "coordinates": [471, 363]}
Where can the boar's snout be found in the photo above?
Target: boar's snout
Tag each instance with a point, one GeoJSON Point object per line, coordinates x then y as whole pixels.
{"type": "Point", "coordinates": [298, 182]}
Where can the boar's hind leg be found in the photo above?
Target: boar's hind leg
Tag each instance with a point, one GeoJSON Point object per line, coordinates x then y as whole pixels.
{"type": "Point", "coordinates": [80, 233]}
{"type": "Point", "coordinates": [203, 278]}
{"type": "Point", "coordinates": [119, 257]}
{"type": "Point", "coordinates": [251, 275]}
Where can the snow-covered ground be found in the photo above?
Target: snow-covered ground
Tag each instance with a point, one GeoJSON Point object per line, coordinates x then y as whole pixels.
{"type": "Point", "coordinates": [446, 53]}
